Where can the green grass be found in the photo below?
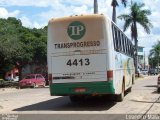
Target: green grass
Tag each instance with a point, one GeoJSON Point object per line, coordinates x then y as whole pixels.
{"type": "Point", "coordinates": [4, 83]}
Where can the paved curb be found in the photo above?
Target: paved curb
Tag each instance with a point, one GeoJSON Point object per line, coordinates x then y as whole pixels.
{"type": "Point", "coordinates": [142, 77]}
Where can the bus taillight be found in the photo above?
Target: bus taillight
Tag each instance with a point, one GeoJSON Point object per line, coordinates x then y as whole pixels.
{"type": "Point", "coordinates": [110, 75]}
{"type": "Point", "coordinates": [50, 78]}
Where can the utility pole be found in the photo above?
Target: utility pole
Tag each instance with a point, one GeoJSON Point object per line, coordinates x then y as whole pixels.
{"type": "Point", "coordinates": [95, 7]}
{"type": "Point", "coordinates": [144, 60]}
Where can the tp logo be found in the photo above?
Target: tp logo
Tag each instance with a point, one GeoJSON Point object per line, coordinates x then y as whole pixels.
{"type": "Point", "coordinates": [76, 30]}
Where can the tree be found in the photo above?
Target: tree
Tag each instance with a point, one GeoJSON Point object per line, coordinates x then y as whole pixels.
{"type": "Point", "coordinates": [40, 46]}
{"type": "Point", "coordinates": [137, 15]}
{"type": "Point", "coordinates": [154, 56]}
{"type": "Point", "coordinates": [114, 4]}
{"type": "Point", "coordinates": [20, 46]}
{"type": "Point", "coordinates": [9, 43]}
{"type": "Point", "coordinates": [33, 48]}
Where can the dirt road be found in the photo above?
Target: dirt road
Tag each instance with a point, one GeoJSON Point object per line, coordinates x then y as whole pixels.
{"type": "Point", "coordinates": [143, 99]}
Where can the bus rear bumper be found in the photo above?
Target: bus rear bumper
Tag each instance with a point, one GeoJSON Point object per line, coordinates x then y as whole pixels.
{"type": "Point", "coordinates": [89, 88]}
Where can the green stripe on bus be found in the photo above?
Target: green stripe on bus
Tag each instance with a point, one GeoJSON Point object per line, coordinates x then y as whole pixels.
{"type": "Point", "coordinates": [90, 88]}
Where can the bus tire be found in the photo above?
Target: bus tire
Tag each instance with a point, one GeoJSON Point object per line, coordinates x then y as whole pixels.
{"type": "Point", "coordinates": [75, 98]}
{"type": "Point", "coordinates": [158, 90]}
{"type": "Point", "coordinates": [120, 97]}
{"type": "Point", "coordinates": [132, 79]}
{"type": "Point", "coordinates": [129, 89]}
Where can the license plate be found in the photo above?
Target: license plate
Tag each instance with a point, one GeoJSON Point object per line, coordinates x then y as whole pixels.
{"type": "Point", "coordinates": [79, 89]}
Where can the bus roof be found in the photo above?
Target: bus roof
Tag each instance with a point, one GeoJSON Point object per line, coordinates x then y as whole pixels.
{"type": "Point", "coordinates": [89, 16]}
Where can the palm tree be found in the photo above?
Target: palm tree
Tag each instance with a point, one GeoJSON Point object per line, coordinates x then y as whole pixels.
{"type": "Point", "coordinates": [137, 15]}
{"type": "Point", "coordinates": [95, 7]}
{"type": "Point", "coordinates": [114, 4]}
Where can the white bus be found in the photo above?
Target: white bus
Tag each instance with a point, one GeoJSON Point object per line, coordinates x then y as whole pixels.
{"type": "Point", "coordinates": [88, 55]}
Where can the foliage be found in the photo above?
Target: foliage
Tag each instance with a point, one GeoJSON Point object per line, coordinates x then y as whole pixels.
{"type": "Point", "coordinates": [154, 56]}
{"type": "Point", "coordinates": [114, 4]}
{"type": "Point", "coordinates": [9, 42]}
{"type": "Point", "coordinates": [20, 46]}
{"type": "Point", "coordinates": [5, 84]}
{"type": "Point", "coordinates": [137, 15]}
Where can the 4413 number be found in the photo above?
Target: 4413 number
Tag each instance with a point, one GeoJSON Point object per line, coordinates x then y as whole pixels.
{"type": "Point", "coordinates": [80, 62]}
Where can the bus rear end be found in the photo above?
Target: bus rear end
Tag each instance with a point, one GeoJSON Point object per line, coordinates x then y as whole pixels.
{"type": "Point", "coordinates": [77, 56]}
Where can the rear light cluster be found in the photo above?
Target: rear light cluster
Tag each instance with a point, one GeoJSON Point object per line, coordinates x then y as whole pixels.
{"type": "Point", "coordinates": [110, 75]}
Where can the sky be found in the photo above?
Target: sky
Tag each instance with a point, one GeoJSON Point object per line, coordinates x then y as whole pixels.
{"type": "Point", "coordinates": [37, 13]}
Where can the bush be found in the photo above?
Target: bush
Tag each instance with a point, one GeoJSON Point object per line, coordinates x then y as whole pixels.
{"type": "Point", "coordinates": [4, 84]}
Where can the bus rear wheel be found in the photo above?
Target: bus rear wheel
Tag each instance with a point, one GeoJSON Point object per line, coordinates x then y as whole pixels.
{"type": "Point", "coordinates": [120, 97]}
{"type": "Point", "coordinates": [129, 89]}
{"type": "Point", "coordinates": [76, 98]}
{"type": "Point", "coordinates": [158, 90]}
